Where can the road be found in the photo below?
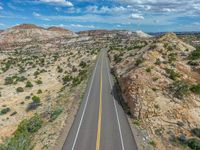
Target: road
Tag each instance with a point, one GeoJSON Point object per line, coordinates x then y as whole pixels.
{"type": "Point", "coordinates": [100, 123]}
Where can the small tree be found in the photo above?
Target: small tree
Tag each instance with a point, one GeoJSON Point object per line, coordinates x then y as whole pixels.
{"type": "Point", "coordinates": [20, 89]}
{"type": "Point", "coordinates": [29, 84]}
{"type": "Point", "coordinates": [36, 99]}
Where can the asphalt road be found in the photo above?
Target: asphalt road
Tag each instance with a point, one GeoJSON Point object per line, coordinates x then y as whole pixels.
{"type": "Point", "coordinates": [100, 123]}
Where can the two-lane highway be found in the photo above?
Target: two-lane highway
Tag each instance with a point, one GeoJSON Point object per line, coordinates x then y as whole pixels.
{"type": "Point", "coordinates": [101, 123]}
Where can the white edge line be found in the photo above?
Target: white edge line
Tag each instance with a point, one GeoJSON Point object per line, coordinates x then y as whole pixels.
{"type": "Point", "coordinates": [116, 111]}
{"type": "Point", "coordinates": [85, 106]}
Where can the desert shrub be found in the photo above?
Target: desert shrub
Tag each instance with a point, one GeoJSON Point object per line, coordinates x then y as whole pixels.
{"type": "Point", "coordinates": [21, 69]}
{"type": "Point", "coordinates": [158, 62]}
{"type": "Point", "coordinates": [29, 84]}
{"type": "Point", "coordinates": [66, 79]}
{"type": "Point", "coordinates": [36, 73]}
{"type": "Point", "coordinates": [36, 99]}
{"type": "Point", "coordinates": [60, 70]}
{"type": "Point", "coordinates": [196, 132]}
{"type": "Point", "coordinates": [172, 74]}
{"type": "Point", "coordinates": [19, 89]}
{"type": "Point", "coordinates": [195, 89]}
{"type": "Point", "coordinates": [172, 57]}
{"type": "Point", "coordinates": [39, 91]}
{"type": "Point", "coordinates": [194, 143]}
{"type": "Point", "coordinates": [153, 143]}
{"type": "Point", "coordinates": [21, 79]}
{"type": "Point", "coordinates": [82, 64]}
{"type": "Point", "coordinates": [76, 81]}
{"type": "Point", "coordinates": [55, 113]}
{"type": "Point", "coordinates": [193, 63]}
{"type": "Point", "coordinates": [4, 111]}
{"type": "Point", "coordinates": [14, 113]}
{"type": "Point", "coordinates": [139, 61]}
{"type": "Point", "coordinates": [27, 97]}
{"type": "Point", "coordinates": [179, 89]}
{"type": "Point", "coordinates": [32, 125]}
{"type": "Point", "coordinates": [8, 80]}
{"type": "Point", "coordinates": [38, 82]}
{"type": "Point", "coordinates": [117, 58]}
{"type": "Point", "coordinates": [148, 69]}
{"type": "Point", "coordinates": [22, 137]}
{"type": "Point", "coordinates": [195, 54]}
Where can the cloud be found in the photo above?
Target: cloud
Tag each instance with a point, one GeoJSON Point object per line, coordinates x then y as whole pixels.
{"type": "Point", "coordinates": [1, 24]}
{"type": "Point", "coordinates": [36, 14]}
{"type": "Point", "coordinates": [137, 16]}
{"type": "Point", "coordinates": [1, 8]}
{"type": "Point", "coordinates": [164, 6]}
{"type": "Point", "coordinates": [82, 26]}
{"type": "Point", "coordinates": [105, 9]}
{"type": "Point", "coordinates": [58, 2]}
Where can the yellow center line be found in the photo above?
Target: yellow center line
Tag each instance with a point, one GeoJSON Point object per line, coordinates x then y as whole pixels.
{"type": "Point", "coordinates": [100, 116]}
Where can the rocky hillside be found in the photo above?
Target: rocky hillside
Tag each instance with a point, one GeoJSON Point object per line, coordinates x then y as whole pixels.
{"type": "Point", "coordinates": [41, 84]}
{"type": "Point", "coordinates": [160, 83]}
{"type": "Point", "coordinates": [28, 32]}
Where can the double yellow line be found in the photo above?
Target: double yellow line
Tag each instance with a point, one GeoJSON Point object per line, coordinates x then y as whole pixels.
{"type": "Point", "coordinates": [98, 141]}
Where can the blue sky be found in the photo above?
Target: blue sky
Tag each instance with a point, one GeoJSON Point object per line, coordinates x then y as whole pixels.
{"type": "Point", "coordinates": [76, 15]}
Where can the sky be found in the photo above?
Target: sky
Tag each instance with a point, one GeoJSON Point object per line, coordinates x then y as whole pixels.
{"type": "Point", "coordinates": [78, 15]}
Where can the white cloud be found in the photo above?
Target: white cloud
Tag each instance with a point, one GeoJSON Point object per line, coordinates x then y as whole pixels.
{"type": "Point", "coordinates": [1, 24]}
{"type": "Point", "coordinates": [1, 8]}
{"type": "Point", "coordinates": [82, 26]}
{"type": "Point", "coordinates": [58, 2]}
{"type": "Point", "coordinates": [106, 9]}
{"type": "Point", "coordinates": [36, 14]}
{"type": "Point", "coordinates": [137, 16]}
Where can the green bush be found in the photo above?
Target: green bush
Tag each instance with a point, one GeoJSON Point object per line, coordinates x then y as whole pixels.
{"type": "Point", "coordinates": [148, 69]}
{"type": "Point", "coordinates": [39, 91]}
{"type": "Point", "coordinates": [158, 62]}
{"type": "Point", "coordinates": [82, 64]}
{"type": "Point", "coordinates": [36, 73]}
{"type": "Point", "coordinates": [8, 80]}
{"type": "Point", "coordinates": [32, 125]}
{"type": "Point", "coordinates": [29, 84]}
{"type": "Point", "coordinates": [195, 54]}
{"type": "Point", "coordinates": [196, 132]}
{"type": "Point", "coordinates": [117, 58]}
{"type": "Point", "coordinates": [193, 63]}
{"type": "Point", "coordinates": [172, 74]}
{"type": "Point", "coordinates": [179, 89]}
{"type": "Point", "coordinates": [22, 137]}
{"type": "Point", "coordinates": [19, 89]}
{"type": "Point", "coordinates": [195, 89]}
{"type": "Point", "coordinates": [139, 61]}
{"type": "Point", "coordinates": [194, 143]}
{"type": "Point", "coordinates": [172, 57]}
{"type": "Point", "coordinates": [55, 113]}
{"type": "Point", "coordinates": [4, 111]}
{"type": "Point", "coordinates": [36, 99]}
{"type": "Point", "coordinates": [60, 70]}
{"type": "Point", "coordinates": [76, 81]}
{"type": "Point", "coordinates": [38, 82]}
{"type": "Point", "coordinates": [153, 143]}
{"type": "Point", "coordinates": [66, 79]}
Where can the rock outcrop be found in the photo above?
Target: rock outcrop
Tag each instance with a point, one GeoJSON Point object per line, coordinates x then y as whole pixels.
{"type": "Point", "coordinates": [155, 83]}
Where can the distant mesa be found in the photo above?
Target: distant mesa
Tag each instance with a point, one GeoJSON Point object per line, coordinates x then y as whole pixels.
{"type": "Point", "coordinates": [27, 26]}
{"type": "Point", "coordinates": [59, 29]}
{"type": "Point", "coordinates": [93, 32]}
{"type": "Point", "coordinates": [29, 32]}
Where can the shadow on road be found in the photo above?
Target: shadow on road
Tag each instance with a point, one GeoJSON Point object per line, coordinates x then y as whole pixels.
{"type": "Point", "coordinates": [117, 94]}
